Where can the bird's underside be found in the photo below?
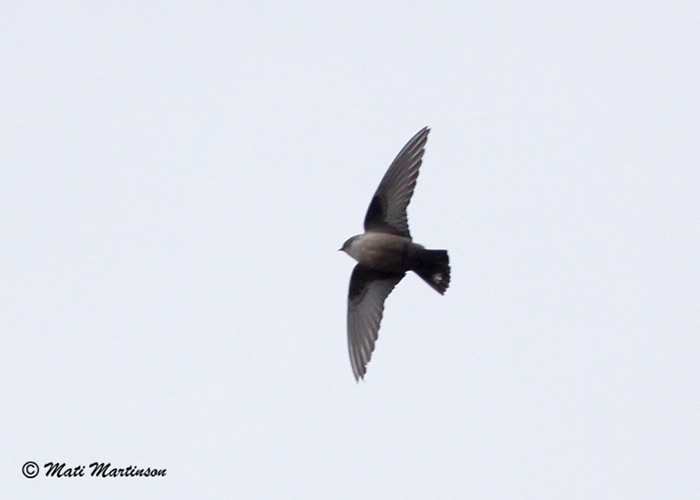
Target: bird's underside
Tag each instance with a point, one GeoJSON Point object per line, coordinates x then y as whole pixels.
{"type": "Point", "coordinates": [385, 252]}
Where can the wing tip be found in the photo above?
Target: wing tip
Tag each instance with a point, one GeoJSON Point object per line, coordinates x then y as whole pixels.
{"type": "Point", "coordinates": [358, 369]}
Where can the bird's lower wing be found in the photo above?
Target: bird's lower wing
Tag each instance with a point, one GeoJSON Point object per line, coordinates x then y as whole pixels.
{"type": "Point", "coordinates": [368, 291]}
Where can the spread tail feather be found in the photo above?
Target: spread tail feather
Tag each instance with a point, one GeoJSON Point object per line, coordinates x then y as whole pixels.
{"type": "Point", "coordinates": [434, 268]}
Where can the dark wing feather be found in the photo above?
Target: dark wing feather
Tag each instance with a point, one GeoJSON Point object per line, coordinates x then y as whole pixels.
{"type": "Point", "coordinates": [368, 291]}
{"type": "Point", "coordinates": [387, 211]}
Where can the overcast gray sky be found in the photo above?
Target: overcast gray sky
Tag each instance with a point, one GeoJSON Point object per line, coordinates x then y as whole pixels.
{"type": "Point", "coordinates": [175, 180]}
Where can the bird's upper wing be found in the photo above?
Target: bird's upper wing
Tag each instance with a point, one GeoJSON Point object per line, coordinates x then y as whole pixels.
{"type": "Point", "coordinates": [387, 211]}
{"type": "Point", "coordinates": [368, 290]}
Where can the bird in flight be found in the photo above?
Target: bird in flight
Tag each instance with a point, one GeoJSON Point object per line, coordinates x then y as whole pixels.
{"type": "Point", "coordinates": [385, 252]}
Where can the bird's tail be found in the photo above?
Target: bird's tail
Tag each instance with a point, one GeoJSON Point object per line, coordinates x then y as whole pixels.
{"type": "Point", "coordinates": [434, 267]}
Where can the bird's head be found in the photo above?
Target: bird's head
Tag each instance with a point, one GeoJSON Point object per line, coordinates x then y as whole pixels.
{"type": "Point", "coordinates": [346, 246]}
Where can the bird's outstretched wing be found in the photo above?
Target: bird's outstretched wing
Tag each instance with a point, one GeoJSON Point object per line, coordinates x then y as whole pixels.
{"type": "Point", "coordinates": [368, 290]}
{"type": "Point", "coordinates": [387, 211]}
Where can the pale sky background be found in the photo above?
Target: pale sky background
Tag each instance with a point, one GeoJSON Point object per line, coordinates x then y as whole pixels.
{"type": "Point", "coordinates": [176, 178]}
